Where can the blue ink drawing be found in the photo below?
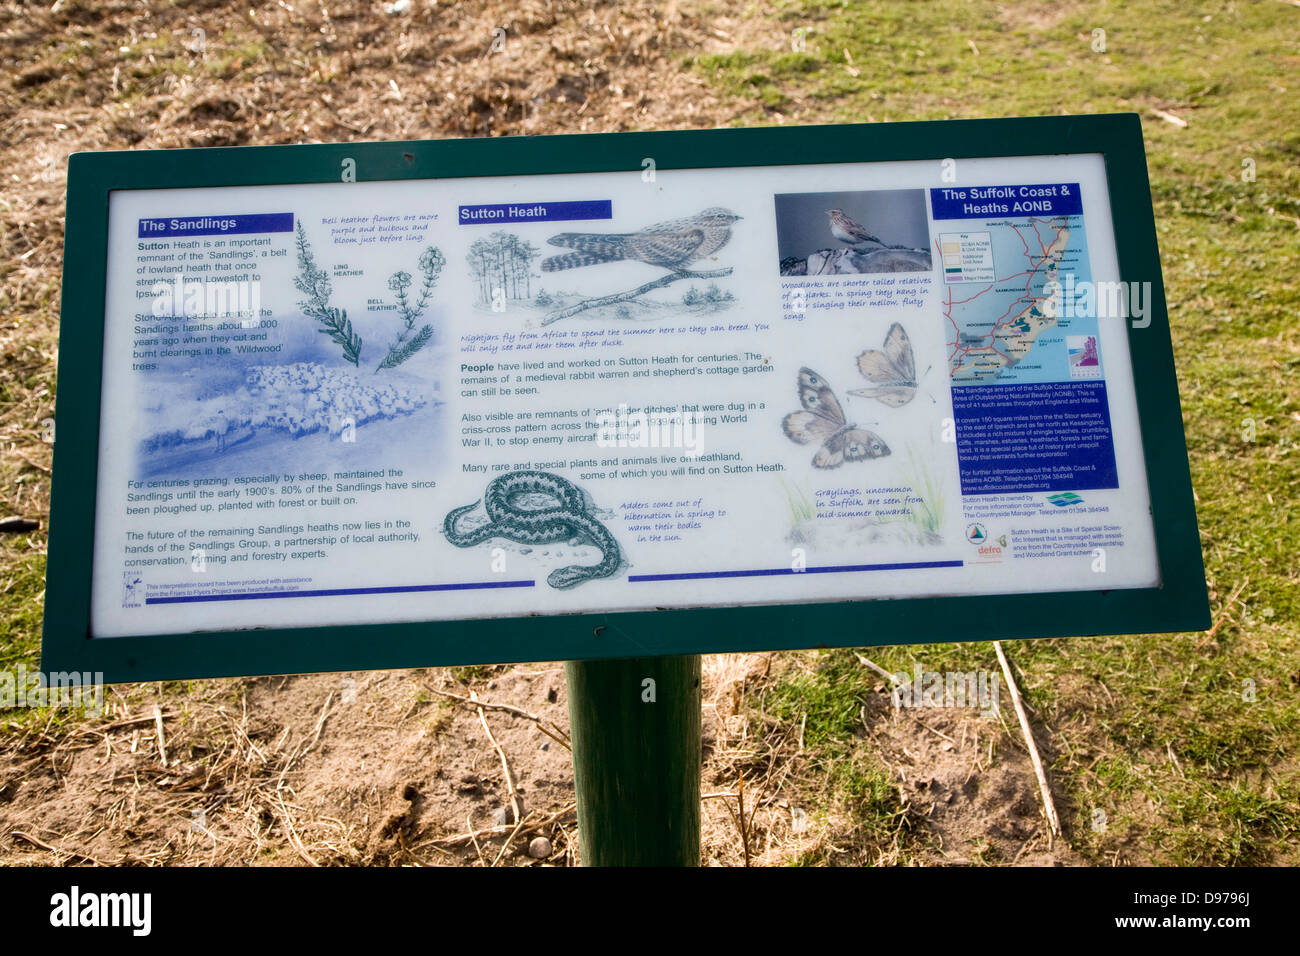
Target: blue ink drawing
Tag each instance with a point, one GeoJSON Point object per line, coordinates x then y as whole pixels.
{"type": "Point", "coordinates": [208, 417]}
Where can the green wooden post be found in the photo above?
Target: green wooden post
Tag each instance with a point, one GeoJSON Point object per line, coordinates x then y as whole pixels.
{"type": "Point", "coordinates": [635, 726]}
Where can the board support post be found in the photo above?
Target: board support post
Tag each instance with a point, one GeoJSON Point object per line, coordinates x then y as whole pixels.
{"type": "Point", "coordinates": [635, 727]}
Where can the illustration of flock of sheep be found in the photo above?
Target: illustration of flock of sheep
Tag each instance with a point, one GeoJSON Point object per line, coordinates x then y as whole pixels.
{"type": "Point", "coordinates": [298, 399]}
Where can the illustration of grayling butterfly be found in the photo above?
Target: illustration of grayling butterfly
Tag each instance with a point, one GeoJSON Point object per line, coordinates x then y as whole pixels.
{"type": "Point", "coordinates": [890, 370]}
{"type": "Point", "coordinates": [823, 420]}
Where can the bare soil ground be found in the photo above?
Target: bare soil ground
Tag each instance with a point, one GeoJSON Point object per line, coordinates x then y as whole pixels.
{"type": "Point", "coordinates": [382, 768]}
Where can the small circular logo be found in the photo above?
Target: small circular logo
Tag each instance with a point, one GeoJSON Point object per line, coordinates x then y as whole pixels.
{"type": "Point", "coordinates": [976, 534]}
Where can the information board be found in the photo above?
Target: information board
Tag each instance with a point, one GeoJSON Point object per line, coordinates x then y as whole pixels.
{"type": "Point", "coordinates": [426, 402]}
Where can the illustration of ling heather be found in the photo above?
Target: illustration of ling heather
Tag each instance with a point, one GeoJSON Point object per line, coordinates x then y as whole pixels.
{"type": "Point", "coordinates": [314, 283]}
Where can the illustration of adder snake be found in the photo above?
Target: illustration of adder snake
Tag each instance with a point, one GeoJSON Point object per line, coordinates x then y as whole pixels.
{"type": "Point", "coordinates": [545, 525]}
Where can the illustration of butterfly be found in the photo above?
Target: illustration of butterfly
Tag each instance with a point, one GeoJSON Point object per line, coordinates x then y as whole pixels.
{"type": "Point", "coordinates": [891, 370]}
{"type": "Point", "coordinates": [822, 419]}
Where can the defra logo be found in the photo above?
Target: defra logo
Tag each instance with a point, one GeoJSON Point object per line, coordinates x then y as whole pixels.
{"type": "Point", "coordinates": [988, 552]}
{"type": "Point", "coordinates": [75, 909]}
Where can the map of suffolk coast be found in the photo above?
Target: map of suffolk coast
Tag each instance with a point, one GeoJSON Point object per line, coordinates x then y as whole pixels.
{"type": "Point", "coordinates": [1031, 410]}
{"type": "Point", "coordinates": [1003, 281]}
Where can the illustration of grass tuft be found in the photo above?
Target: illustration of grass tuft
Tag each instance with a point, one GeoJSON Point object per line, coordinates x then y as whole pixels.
{"type": "Point", "coordinates": [409, 340]}
{"type": "Point", "coordinates": [928, 515]}
{"type": "Point", "coordinates": [801, 509]}
{"type": "Point", "coordinates": [314, 283]}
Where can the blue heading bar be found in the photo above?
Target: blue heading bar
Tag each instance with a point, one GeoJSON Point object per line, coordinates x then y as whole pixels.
{"type": "Point", "coordinates": [536, 212]}
{"type": "Point", "coordinates": [216, 225]}
{"type": "Point", "coordinates": [986, 202]}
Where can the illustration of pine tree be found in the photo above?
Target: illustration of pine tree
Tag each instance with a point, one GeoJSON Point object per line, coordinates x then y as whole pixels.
{"type": "Point", "coordinates": [502, 261]}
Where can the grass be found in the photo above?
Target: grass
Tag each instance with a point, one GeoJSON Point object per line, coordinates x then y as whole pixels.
{"type": "Point", "coordinates": [1160, 748]}
{"type": "Point", "coordinates": [844, 777]}
{"type": "Point", "coordinates": [21, 602]}
{"type": "Point", "coordinates": [1119, 707]}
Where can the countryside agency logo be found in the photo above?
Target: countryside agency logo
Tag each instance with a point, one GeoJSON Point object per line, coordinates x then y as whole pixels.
{"type": "Point", "coordinates": [989, 550]}
{"type": "Point", "coordinates": [1065, 499]}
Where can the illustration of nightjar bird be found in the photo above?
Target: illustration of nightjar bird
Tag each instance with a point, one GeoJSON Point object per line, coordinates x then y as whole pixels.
{"type": "Point", "coordinates": [673, 245]}
{"type": "Point", "coordinates": [849, 230]}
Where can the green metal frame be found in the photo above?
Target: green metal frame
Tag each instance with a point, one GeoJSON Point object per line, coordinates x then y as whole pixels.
{"type": "Point", "coordinates": [1180, 603]}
